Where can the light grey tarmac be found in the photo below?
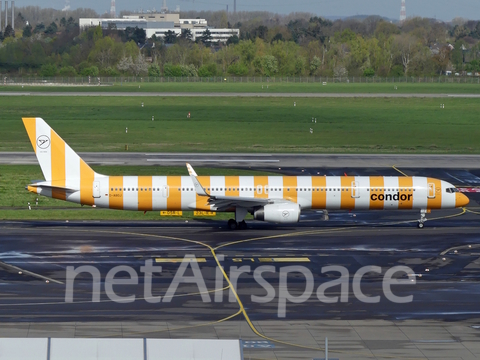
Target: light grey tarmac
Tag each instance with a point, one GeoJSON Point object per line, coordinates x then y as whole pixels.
{"type": "Point", "coordinates": [274, 161]}
{"type": "Point", "coordinates": [240, 94]}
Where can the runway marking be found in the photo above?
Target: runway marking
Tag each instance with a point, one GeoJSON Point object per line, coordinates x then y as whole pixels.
{"type": "Point", "coordinates": [401, 172]}
{"type": "Point", "coordinates": [305, 259]}
{"type": "Point", "coordinates": [179, 260]}
{"type": "Point", "coordinates": [473, 212]}
{"type": "Point", "coordinates": [214, 161]}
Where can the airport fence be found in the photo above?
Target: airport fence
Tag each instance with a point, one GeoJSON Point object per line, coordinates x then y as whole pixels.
{"type": "Point", "coordinates": [6, 80]}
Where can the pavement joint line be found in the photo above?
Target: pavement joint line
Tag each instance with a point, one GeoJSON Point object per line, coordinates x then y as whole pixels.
{"type": "Point", "coordinates": [27, 272]}
{"type": "Point", "coordinates": [184, 327]}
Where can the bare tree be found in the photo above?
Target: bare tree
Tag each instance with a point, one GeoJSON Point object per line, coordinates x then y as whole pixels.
{"type": "Point", "coordinates": [406, 46]}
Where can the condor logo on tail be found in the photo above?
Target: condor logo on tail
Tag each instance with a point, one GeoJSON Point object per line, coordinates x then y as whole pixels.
{"type": "Point", "coordinates": [390, 197]}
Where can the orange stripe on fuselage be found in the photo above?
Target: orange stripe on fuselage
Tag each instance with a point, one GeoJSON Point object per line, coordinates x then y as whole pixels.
{"type": "Point", "coordinates": [347, 201]}
{"type": "Point", "coordinates": [145, 195]}
{"type": "Point", "coordinates": [115, 197]}
{"type": "Point", "coordinates": [201, 201]}
{"type": "Point", "coordinates": [406, 188]}
{"type": "Point", "coordinates": [31, 127]}
{"type": "Point", "coordinates": [260, 185]}
{"type": "Point", "coordinates": [232, 184]}
{"type": "Point", "coordinates": [58, 165]}
{"type": "Point", "coordinates": [290, 188]}
{"type": "Point", "coordinates": [174, 200]}
{"type": "Point", "coordinates": [319, 195]}
{"type": "Point", "coordinates": [376, 189]}
{"type": "Point", "coordinates": [435, 203]}
{"type": "Point", "coordinates": [87, 176]}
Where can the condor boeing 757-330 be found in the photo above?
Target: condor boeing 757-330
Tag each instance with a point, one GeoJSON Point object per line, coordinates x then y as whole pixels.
{"type": "Point", "coordinates": [276, 199]}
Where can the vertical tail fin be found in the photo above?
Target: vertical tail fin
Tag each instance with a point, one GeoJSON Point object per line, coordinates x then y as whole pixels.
{"type": "Point", "coordinates": [60, 164]}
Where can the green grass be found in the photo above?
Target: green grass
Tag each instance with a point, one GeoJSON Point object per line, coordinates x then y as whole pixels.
{"type": "Point", "coordinates": [14, 198]}
{"type": "Point", "coordinates": [452, 87]}
{"type": "Point", "coordinates": [229, 124]}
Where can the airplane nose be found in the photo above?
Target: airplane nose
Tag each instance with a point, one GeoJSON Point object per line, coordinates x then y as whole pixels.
{"type": "Point", "coordinates": [461, 200]}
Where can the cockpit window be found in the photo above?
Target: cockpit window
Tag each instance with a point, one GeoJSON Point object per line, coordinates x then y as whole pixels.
{"type": "Point", "coordinates": [452, 190]}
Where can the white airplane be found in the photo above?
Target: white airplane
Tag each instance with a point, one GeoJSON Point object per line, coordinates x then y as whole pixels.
{"type": "Point", "coordinates": [276, 199]}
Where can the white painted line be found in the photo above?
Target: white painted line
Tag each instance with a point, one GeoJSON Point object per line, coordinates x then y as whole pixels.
{"type": "Point", "coordinates": [209, 160]}
{"type": "Point", "coordinates": [232, 155]}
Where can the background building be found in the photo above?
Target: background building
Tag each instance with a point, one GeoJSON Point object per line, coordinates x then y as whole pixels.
{"type": "Point", "coordinates": [159, 24]}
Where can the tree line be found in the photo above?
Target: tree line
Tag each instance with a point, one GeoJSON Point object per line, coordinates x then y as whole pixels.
{"type": "Point", "coordinates": [269, 45]}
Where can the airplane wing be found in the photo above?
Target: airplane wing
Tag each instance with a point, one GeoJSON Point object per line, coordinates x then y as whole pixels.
{"type": "Point", "coordinates": [222, 203]}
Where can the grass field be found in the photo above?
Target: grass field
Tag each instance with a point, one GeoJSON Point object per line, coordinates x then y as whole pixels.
{"type": "Point", "coordinates": [353, 125]}
{"type": "Point", "coordinates": [14, 198]}
{"type": "Point", "coordinates": [260, 87]}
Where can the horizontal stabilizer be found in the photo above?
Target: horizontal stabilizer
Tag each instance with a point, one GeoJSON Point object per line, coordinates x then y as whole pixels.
{"type": "Point", "coordinates": [49, 187]}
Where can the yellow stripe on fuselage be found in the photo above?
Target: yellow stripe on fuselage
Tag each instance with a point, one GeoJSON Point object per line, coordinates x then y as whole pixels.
{"type": "Point", "coordinates": [232, 185]}
{"type": "Point", "coordinates": [174, 201]}
{"type": "Point", "coordinates": [319, 197]}
{"type": "Point", "coordinates": [290, 188]}
{"type": "Point", "coordinates": [145, 193]}
{"type": "Point", "coordinates": [115, 196]}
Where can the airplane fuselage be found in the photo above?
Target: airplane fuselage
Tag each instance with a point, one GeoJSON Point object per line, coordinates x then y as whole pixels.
{"type": "Point", "coordinates": [155, 193]}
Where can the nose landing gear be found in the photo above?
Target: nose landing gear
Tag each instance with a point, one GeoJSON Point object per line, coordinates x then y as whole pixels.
{"type": "Point", "coordinates": [423, 219]}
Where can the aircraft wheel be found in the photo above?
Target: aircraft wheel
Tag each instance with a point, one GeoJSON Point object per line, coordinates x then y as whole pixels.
{"type": "Point", "coordinates": [420, 225]}
{"type": "Point", "coordinates": [232, 224]}
{"type": "Point", "coordinates": [242, 225]}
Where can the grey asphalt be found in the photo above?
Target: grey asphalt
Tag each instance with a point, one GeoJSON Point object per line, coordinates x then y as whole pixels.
{"type": "Point", "coordinates": [273, 161]}
{"type": "Point", "coordinates": [240, 94]}
{"type": "Point", "coordinates": [441, 321]}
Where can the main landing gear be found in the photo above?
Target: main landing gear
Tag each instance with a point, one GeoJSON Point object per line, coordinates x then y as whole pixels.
{"type": "Point", "coordinates": [423, 219]}
{"type": "Point", "coordinates": [239, 222]}
{"type": "Point", "coordinates": [233, 225]}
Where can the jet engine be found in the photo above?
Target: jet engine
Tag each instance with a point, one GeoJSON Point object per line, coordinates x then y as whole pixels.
{"type": "Point", "coordinates": [285, 213]}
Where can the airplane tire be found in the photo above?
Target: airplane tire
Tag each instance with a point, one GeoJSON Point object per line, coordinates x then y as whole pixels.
{"type": "Point", "coordinates": [232, 224]}
{"type": "Point", "coordinates": [242, 225]}
{"type": "Point", "coordinates": [420, 225]}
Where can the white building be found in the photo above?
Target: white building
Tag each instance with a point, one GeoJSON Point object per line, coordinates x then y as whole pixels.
{"type": "Point", "coordinates": [159, 24]}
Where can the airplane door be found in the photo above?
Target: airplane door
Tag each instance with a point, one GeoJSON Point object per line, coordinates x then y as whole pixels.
{"type": "Point", "coordinates": [355, 191]}
{"type": "Point", "coordinates": [431, 191]}
{"type": "Point", "coordinates": [165, 191]}
{"type": "Point", "coordinates": [96, 189]}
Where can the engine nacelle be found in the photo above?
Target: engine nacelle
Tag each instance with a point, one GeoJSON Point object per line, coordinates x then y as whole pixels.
{"type": "Point", "coordinates": [286, 213]}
